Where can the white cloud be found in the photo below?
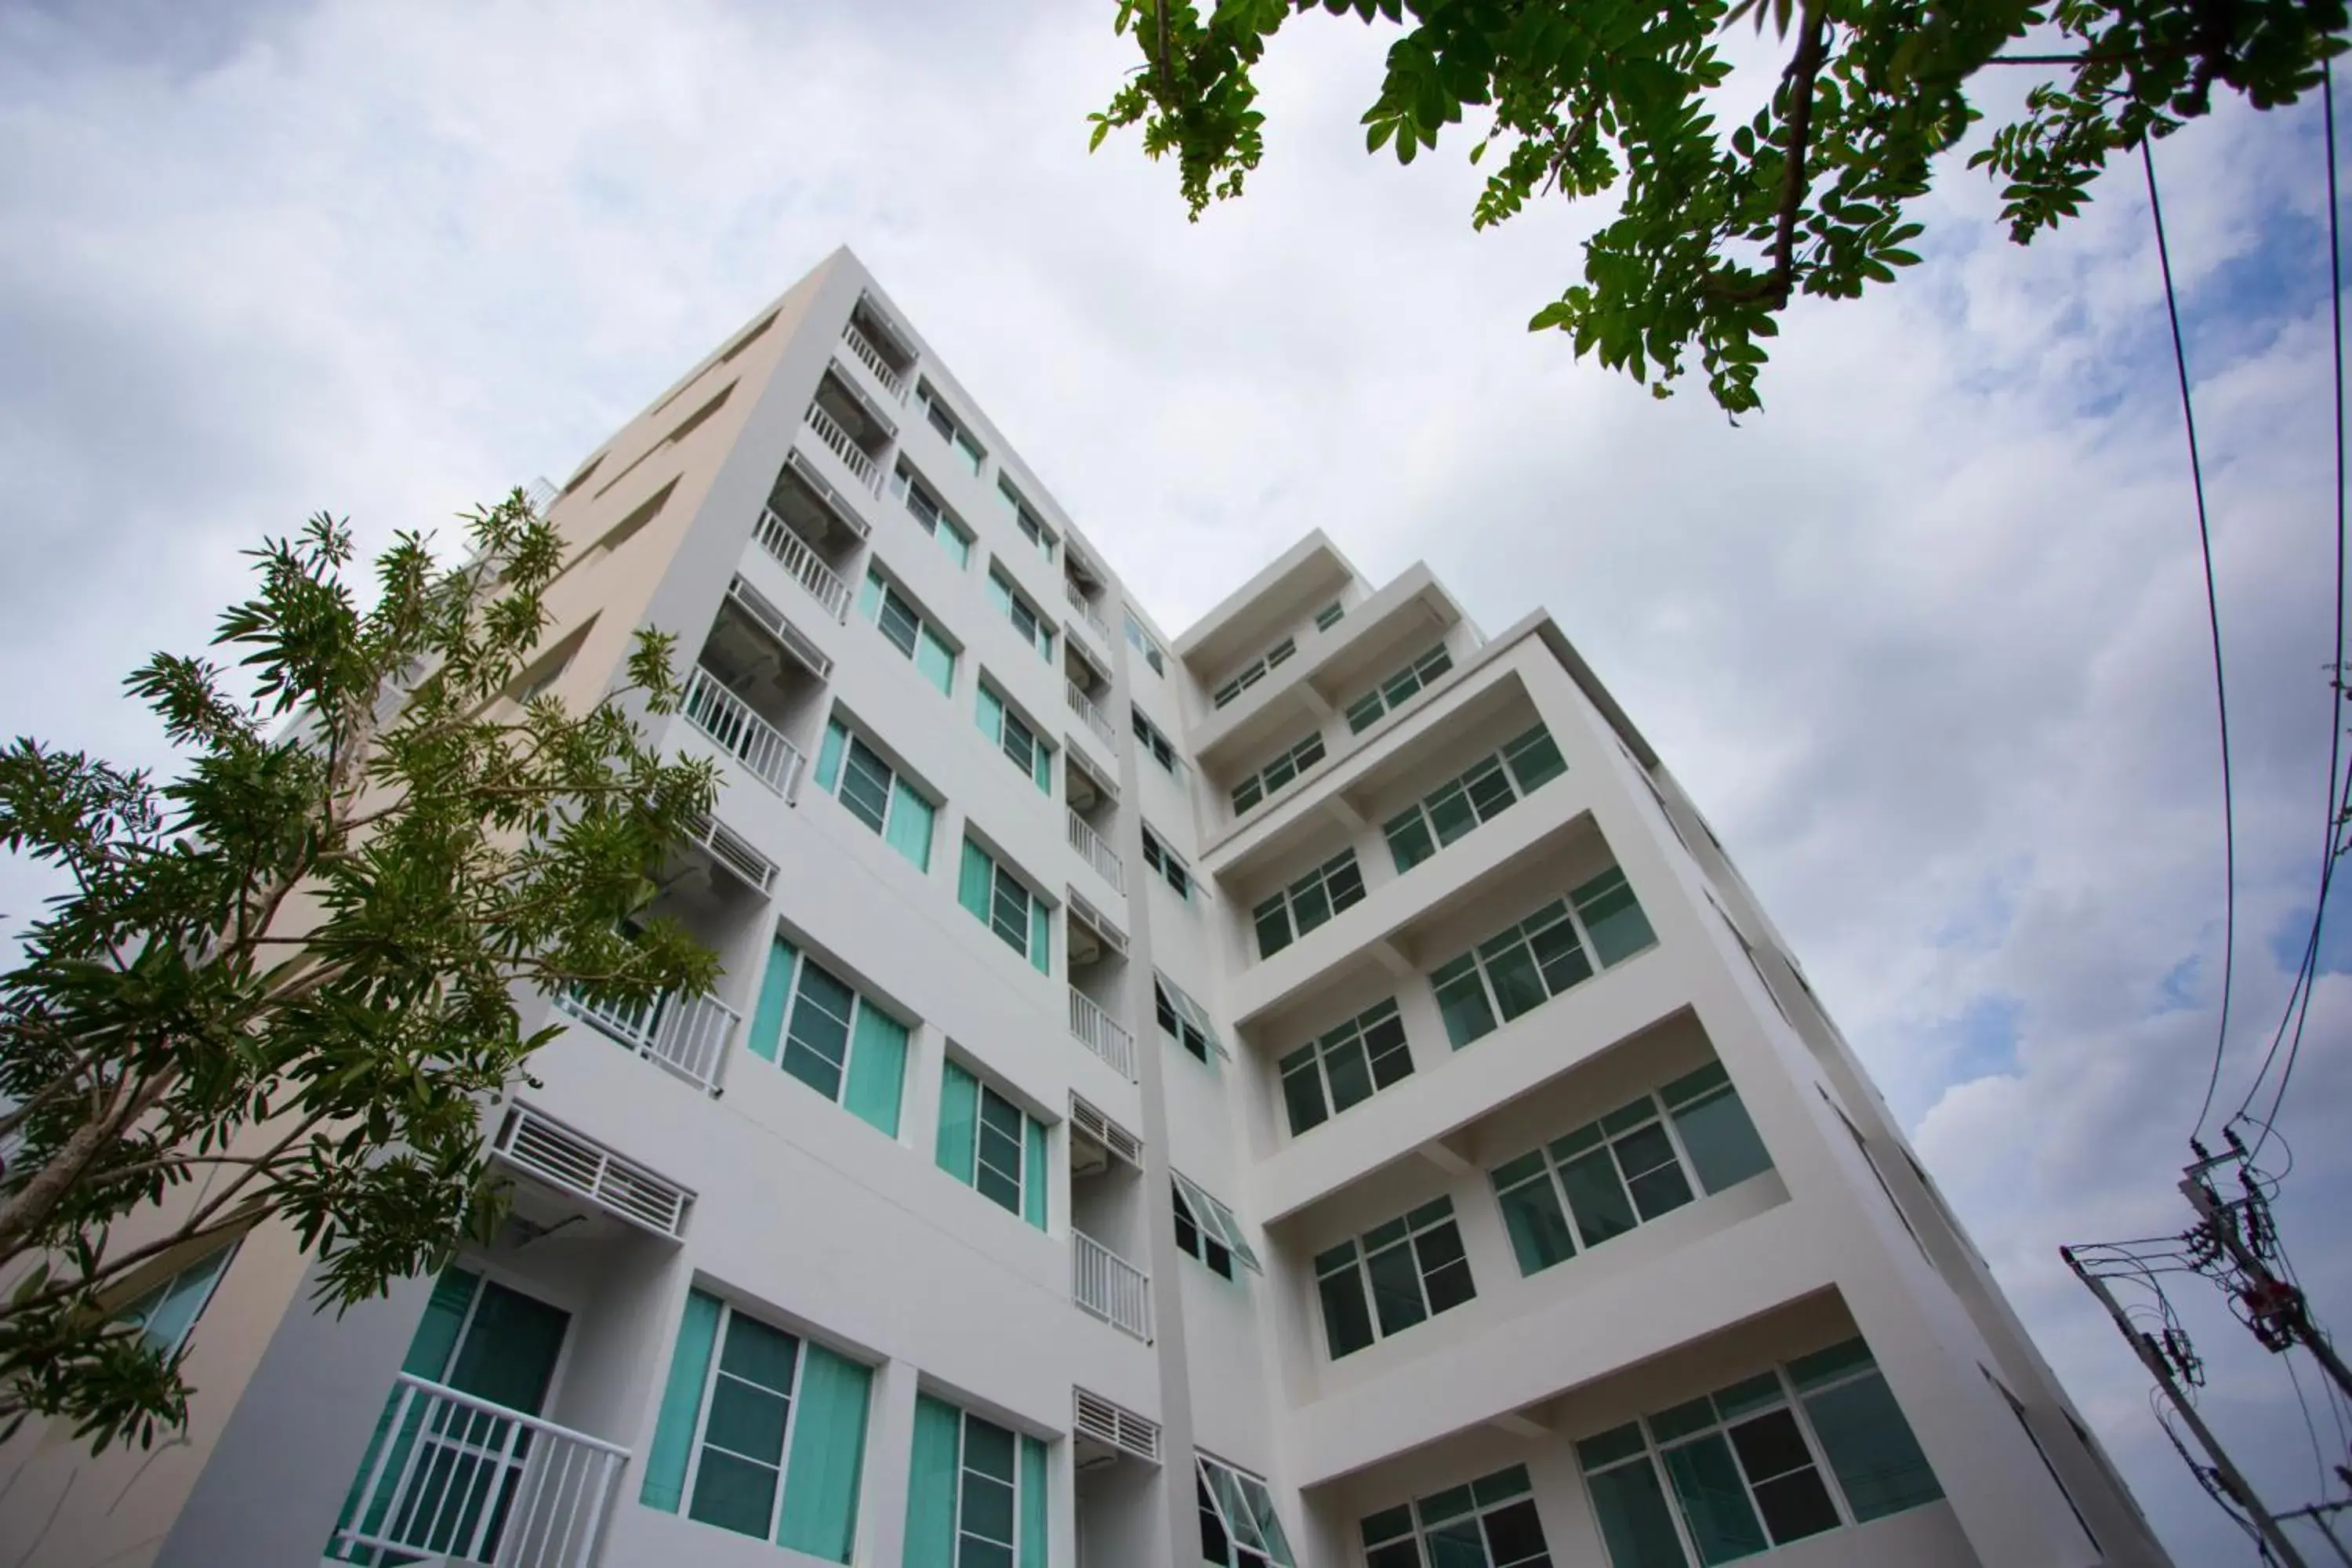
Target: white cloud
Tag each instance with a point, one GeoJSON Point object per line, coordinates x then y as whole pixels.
{"type": "Point", "coordinates": [1926, 637]}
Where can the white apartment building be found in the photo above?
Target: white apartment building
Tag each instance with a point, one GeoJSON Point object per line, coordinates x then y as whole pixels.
{"type": "Point", "coordinates": [1310, 1091]}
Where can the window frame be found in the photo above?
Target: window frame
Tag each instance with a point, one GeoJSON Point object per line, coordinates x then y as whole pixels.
{"type": "Point", "coordinates": [1032, 526]}
{"type": "Point", "coordinates": [1505, 763]}
{"type": "Point", "coordinates": [1215, 1507]}
{"type": "Point", "coordinates": [2026, 1423]}
{"type": "Point", "coordinates": [1567, 910]}
{"type": "Point", "coordinates": [1253, 672]}
{"type": "Point", "coordinates": [963, 1447]}
{"type": "Point", "coordinates": [1354, 1258]}
{"type": "Point", "coordinates": [1144, 643]}
{"type": "Point", "coordinates": [1040, 765]}
{"type": "Point", "coordinates": [1341, 871]}
{"type": "Point", "coordinates": [1167, 865]}
{"type": "Point", "coordinates": [1788, 1393]}
{"type": "Point", "coordinates": [1313, 1059]}
{"type": "Point", "coordinates": [1603, 1134]}
{"type": "Point", "coordinates": [1171, 1002]}
{"type": "Point", "coordinates": [986, 1091]}
{"type": "Point", "coordinates": [1217, 1224]}
{"type": "Point", "coordinates": [880, 596]}
{"type": "Point", "coordinates": [860, 1006]}
{"type": "Point", "coordinates": [1156, 744]}
{"type": "Point", "coordinates": [1385, 699]}
{"type": "Point", "coordinates": [1414, 1524]}
{"type": "Point", "coordinates": [949, 426]}
{"type": "Point", "coordinates": [999, 877]}
{"type": "Point", "coordinates": [933, 516]}
{"type": "Point", "coordinates": [1012, 604]}
{"type": "Point", "coordinates": [894, 786]}
{"type": "Point", "coordinates": [729, 1312]}
{"type": "Point", "coordinates": [205, 1271]}
{"type": "Point", "coordinates": [1330, 616]}
{"type": "Point", "coordinates": [1260, 786]}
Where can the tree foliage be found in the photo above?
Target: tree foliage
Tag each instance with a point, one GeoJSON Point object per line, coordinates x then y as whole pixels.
{"type": "Point", "coordinates": [1717, 232]}
{"type": "Point", "coordinates": [282, 981]}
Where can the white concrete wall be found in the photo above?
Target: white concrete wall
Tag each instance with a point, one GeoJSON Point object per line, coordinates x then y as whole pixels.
{"type": "Point", "coordinates": [810, 1217]}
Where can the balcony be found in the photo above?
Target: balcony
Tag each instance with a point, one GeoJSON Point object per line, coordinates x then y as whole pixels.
{"type": "Point", "coordinates": [743, 735]}
{"type": "Point", "coordinates": [1101, 1034]}
{"type": "Point", "coordinates": [1109, 1287]}
{"type": "Point", "coordinates": [813, 507]}
{"type": "Point", "coordinates": [1097, 854]}
{"type": "Point", "coordinates": [687, 1034]}
{"type": "Point", "coordinates": [1086, 783]}
{"type": "Point", "coordinates": [464, 1481]}
{"type": "Point", "coordinates": [1093, 937]}
{"type": "Point", "coordinates": [1085, 608]}
{"type": "Point", "coordinates": [871, 357]}
{"type": "Point", "coordinates": [1097, 719]}
{"type": "Point", "coordinates": [878, 342]}
{"type": "Point", "coordinates": [829, 430]}
{"type": "Point", "coordinates": [802, 565]}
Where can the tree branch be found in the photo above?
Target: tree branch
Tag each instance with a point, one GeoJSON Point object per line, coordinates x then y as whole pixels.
{"type": "Point", "coordinates": [1804, 69]}
{"type": "Point", "coordinates": [212, 1206]}
{"type": "Point", "coordinates": [30, 1207]}
{"type": "Point", "coordinates": [65, 1082]}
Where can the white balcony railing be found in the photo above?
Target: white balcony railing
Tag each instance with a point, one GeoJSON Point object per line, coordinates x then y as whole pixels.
{"type": "Point", "coordinates": [1099, 855]}
{"type": "Point", "coordinates": [829, 431]}
{"type": "Point", "coordinates": [688, 1035]}
{"type": "Point", "coordinates": [1111, 1286]}
{"type": "Point", "coordinates": [1101, 1034]}
{"type": "Point", "coordinates": [743, 735]}
{"type": "Point", "coordinates": [792, 551]}
{"type": "Point", "coordinates": [457, 1478]}
{"type": "Point", "coordinates": [1097, 720]}
{"type": "Point", "coordinates": [871, 358]}
{"type": "Point", "coordinates": [1085, 607]}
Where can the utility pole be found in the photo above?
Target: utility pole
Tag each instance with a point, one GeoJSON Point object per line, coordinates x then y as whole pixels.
{"type": "Point", "coordinates": [2160, 1367]}
{"type": "Point", "coordinates": [2276, 1310]}
{"type": "Point", "coordinates": [2317, 1513]}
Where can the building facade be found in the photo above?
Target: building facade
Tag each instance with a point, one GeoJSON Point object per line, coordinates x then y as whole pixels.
{"type": "Point", "coordinates": [1310, 1091]}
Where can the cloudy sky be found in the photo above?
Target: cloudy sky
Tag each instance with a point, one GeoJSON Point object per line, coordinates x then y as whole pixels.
{"type": "Point", "coordinates": [1926, 637]}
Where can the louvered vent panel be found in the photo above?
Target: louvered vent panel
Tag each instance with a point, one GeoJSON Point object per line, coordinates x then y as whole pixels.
{"type": "Point", "coordinates": [1115, 1425]}
{"type": "Point", "coordinates": [733, 851]}
{"type": "Point", "coordinates": [1112, 937]}
{"type": "Point", "coordinates": [779, 625]}
{"type": "Point", "coordinates": [578, 1165]}
{"type": "Point", "coordinates": [1118, 1139]}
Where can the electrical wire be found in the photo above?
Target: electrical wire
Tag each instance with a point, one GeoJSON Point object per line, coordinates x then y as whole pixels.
{"type": "Point", "coordinates": [2336, 1398]}
{"type": "Point", "coordinates": [2310, 1427]}
{"type": "Point", "coordinates": [2220, 1499]}
{"type": "Point", "coordinates": [2338, 803]}
{"type": "Point", "coordinates": [2213, 619]}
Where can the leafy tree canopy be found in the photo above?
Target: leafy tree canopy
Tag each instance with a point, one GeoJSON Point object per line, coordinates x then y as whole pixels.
{"type": "Point", "coordinates": [1716, 233]}
{"type": "Point", "coordinates": [282, 981]}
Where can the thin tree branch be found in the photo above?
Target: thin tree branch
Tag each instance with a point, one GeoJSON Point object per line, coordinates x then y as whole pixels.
{"type": "Point", "coordinates": [1804, 69]}
{"type": "Point", "coordinates": [106, 1270]}
{"type": "Point", "coordinates": [24, 1212]}
{"type": "Point", "coordinates": [65, 1082]}
{"type": "Point", "coordinates": [212, 1206]}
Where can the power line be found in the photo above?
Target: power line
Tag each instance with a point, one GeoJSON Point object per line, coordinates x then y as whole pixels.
{"type": "Point", "coordinates": [2213, 618]}
{"type": "Point", "coordinates": [2310, 1427]}
{"type": "Point", "coordinates": [2337, 803]}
